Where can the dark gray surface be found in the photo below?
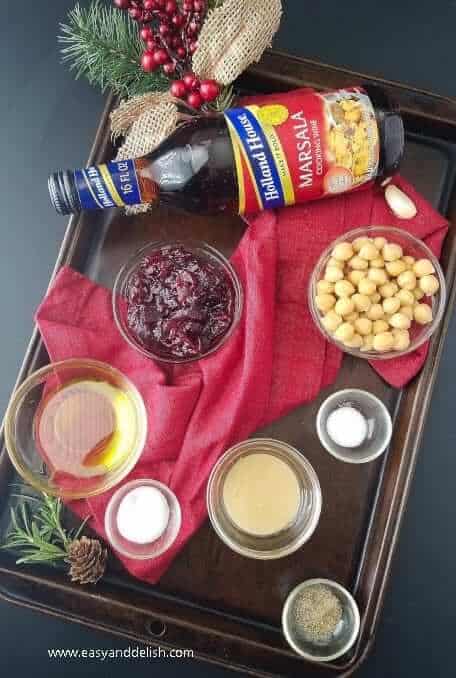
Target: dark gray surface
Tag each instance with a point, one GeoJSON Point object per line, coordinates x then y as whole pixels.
{"type": "Point", "coordinates": [48, 122]}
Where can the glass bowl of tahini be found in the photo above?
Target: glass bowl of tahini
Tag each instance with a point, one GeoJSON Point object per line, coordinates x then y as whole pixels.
{"type": "Point", "coordinates": [264, 499]}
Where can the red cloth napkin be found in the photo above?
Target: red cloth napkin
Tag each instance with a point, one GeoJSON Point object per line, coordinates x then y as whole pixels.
{"type": "Point", "coordinates": [198, 411]}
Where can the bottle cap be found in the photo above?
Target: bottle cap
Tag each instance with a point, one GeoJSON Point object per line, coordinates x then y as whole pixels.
{"type": "Point", "coordinates": [63, 193]}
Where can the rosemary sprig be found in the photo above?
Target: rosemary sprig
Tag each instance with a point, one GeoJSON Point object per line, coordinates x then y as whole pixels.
{"type": "Point", "coordinates": [103, 44]}
{"type": "Point", "coordinates": [39, 534]}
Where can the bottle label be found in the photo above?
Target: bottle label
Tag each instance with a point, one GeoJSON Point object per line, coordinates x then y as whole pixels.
{"type": "Point", "coordinates": [114, 184]}
{"type": "Point", "coordinates": [303, 145]}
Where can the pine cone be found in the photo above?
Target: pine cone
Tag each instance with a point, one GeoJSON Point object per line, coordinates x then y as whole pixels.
{"type": "Point", "coordinates": [87, 558]}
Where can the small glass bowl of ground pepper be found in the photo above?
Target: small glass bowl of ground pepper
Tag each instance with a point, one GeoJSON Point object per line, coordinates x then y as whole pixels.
{"type": "Point", "coordinates": [177, 301]}
{"type": "Point", "coordinates": [320, 620]}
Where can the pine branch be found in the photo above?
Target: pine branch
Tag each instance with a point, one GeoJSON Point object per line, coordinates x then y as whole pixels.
{"type": "Point", "coordinates": [103, 44]}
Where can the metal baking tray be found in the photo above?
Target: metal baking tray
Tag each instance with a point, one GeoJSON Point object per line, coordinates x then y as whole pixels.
{"type": "Point", "coordinates": [225, 607]}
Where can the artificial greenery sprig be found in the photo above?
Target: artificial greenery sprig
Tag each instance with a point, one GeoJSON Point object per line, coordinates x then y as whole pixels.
{"type": "Point", "coordinates": [103, 44]}
{"type": "Point", "coordinates": [39, 534]}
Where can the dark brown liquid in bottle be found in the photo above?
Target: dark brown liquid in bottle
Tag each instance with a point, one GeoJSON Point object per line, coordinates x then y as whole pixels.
{"type": "Point", "coordinates": [194, 168]}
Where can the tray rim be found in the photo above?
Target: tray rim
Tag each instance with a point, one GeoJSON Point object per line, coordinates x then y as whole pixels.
{"type": "Point", "coordinates": [422, 386]}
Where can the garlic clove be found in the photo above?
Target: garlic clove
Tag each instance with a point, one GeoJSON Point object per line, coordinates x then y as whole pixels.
{"type": "Point", "coordinates": [399, 203]}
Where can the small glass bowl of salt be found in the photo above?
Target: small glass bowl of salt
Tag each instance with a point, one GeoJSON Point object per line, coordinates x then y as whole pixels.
{"type": "Point", "coordinates": [354, 426]}
{"type": "Point", "coordinates": [142, 519]}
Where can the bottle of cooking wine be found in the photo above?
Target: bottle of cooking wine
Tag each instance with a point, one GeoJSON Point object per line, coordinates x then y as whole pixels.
{"type": "Point", "coordinates": [290, 148]}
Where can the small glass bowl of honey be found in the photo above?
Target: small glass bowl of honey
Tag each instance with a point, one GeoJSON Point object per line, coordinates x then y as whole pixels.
{"type": "Point", "coordinates": [75, 428]}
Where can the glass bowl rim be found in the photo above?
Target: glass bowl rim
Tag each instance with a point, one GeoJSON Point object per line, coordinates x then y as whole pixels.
{"type": "Point", "coordinates": [349, 601]}
{"type": "Point", "coordinates": [34, 379]}
{"type": "Point", "coordinates": [130, 265]}
{"type": "Point", "coordinates": [301, 460]}
{"type": "Point", "coordinates": [428, 330]}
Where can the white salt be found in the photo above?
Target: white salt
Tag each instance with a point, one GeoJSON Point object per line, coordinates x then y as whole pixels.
{"type": "Point", "coordinates": [346, 426]}
{"type": "Point", "coordinates": [143, 515]}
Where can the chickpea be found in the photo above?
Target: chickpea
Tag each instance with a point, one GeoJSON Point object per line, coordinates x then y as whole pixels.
{"type": "Point", "coordinates": [410, 261]}
{"type": "Point", "coordinates": [344, 306]}
{"type": "Point", "coordinates": [351, 317]}
{"type": "Point", "coordinates": [344, 288]}
{"type": "Point", "coordinates": [407, 280]}
{"type": "Point", "coordinates": [335, 263]}
{"type": "Point", "coordinates": [429, 284]}
{"type": "Point", "coordinates": [344, 332]}
{"type": "Point", "coordinates": [384, 341]}
{"type": "Point", "coordinates": [358, 263]}
{"type": "Point", "coordinates": [367, 286]}
{"type": "Point", "coordinates": [325, 302]}
{"type": "Point", "coordinates": [391, 251]}
{"type": "Point", "coordinates": [331, 321]}
{"type": "Point", "coordinates": [325, 287]}
{"type": "Point", "coordinates": [400, 321]}
{"type": "Point", "coordinates": [377, 263]}
{"type": "Point", "coordinates": [396, 267]}
{"type": "Point", "coordinates": [333, 274]}
{"type": "Point", "coordinates": [418, 293]}
{"type": "Point", "coordinates": [355, 342]}
{"type": "Point", "coordinates": [406, 298]}
{"type": "Point", "coordinates": [391, 305]}
{"type": "Point", "coordinates": [375, 312]}
{"type": "Point", "coordinates": [401, 340]}
{"type": "Point", "coordinates": [359, 242]}
{"type": "Point", "coordinates": [422, 314]}
{"type": "Point", "coordinates": [388, 290]}
{"type": "Point", "coordinates": [408, 311]}
{"type": "Point", "coordinates": [368, 251]}
{"type": "Point", "coordinates": [368, 343]}
{"type": "Point", "coordinates": [343, 251]}
{"type": "Point", "coordinates": [423, 267]}
{"type": "Point", "coordinates": [379, 242]}
{"type": "Point", "coordinates": [363, 326]}
{"type": "Point", "coordinates": [377, 275]}
{"type": "Point", "coordinates": [375, 298]}
{"type": "Point", "coordinates": [379, 326]}
{"type": "Point", "coordinates": [355, 276]}
{"type": "Point", "coordinates": [362, 302]}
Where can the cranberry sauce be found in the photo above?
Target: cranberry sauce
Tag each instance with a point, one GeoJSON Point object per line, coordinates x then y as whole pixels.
{"type": "Point", "coordinates": [180, 304]}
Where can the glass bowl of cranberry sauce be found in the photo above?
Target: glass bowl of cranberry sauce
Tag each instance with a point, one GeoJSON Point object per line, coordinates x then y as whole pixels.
{"type": "Point", "coordinates": [177, 301]}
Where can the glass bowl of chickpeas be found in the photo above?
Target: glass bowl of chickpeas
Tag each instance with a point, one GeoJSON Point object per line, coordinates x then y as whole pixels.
{"type": "Point", "coordinates": [377, 292]}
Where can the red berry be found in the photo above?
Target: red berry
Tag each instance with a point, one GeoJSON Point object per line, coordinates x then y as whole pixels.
{"type": "Point", "coordinates": [159, 4]}
{"type": "Point", "coordinates": [194, 100]}
{"type": "Point", "coordinates": [169, 68]}
{"type": "Point", "coordinates": [122, 4]}
{"type": "Point", "coordinates": [163, 29]}
{"type": "Point", "coordinates": [161, 57]}
{"type": "Point", "coordinates": [193, 28]}
{"type": "Point", "coordinates": [135, 13]}
{"type": "Point", "coordinates": [178, 89]}
{"type": "Point", "coordinates": [181, 52]}
{"type": "Point", "coordinates": [146, 33]}
{"type": "Point", "coordinates": [170, 6]}
{"type": "Point", "coordinates": [187, 5]}
{"type": "Point", "coordinates": [148, 62]}
{"type": "Point", "coordinates": [149, 5]}
{"type": "Point", "coordinates": [177, 20]}
{"type": "Point", "coordinates": [190, 81]}
{"type": "Point", "coordinates": [176, 41]}
{"type": "Point", "coordinates": [193, 47]}
{"type": "Point", "coordinates": [151, 45]}
{"type": "Point", "coordinates": [198, 5]}
{"type": "Point", "coordinates": [209, 90]}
